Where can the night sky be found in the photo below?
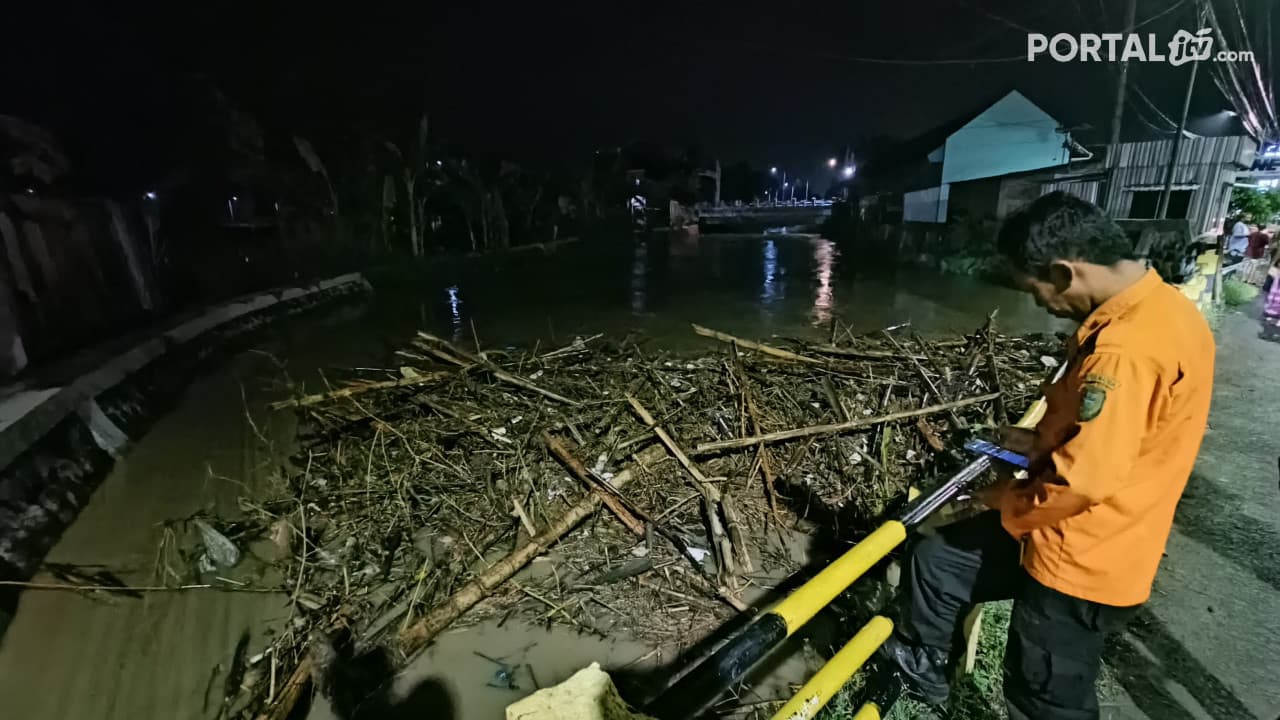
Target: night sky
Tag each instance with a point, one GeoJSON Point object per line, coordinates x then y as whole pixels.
{"type": "Point", "coordinates": [124, 84]}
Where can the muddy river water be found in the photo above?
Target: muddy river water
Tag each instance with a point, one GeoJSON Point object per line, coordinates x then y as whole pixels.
{"type": "Point", "coordinates": [73, 656]}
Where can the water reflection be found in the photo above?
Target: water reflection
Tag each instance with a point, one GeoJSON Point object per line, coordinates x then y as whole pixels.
{"type": "Point", "coordinates": [771, 287]}
{"type": "Point", "coordinates": [824, 257]}
{"type": "Point", "coordinates": [659, 285]}
{"type": "Point", "coordinates": [639, 273]}
{"type": "Point", "coordinates": [455, 312]}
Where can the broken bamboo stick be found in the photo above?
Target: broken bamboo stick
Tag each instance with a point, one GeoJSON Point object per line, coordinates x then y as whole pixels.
{"type": "Point", "coordinates": [717, 446]}
{"type": "Point", "coordinates": [350, 390]}
{"type": "Point", "coordinates": [503, 375]}
{"type": "Point", "coordinates": [753, 412]}
{"type": "Point", "coordinates": [758, 347]}
{"type": "Point", "coordinates": [723, 546]}
{"type": "Point", "coordinates": [289, 694]}
{"type": "Point", "coordinates": [733, 522]}
{"type": "Point", "coordinates": [928, 382]}
{"type": "Point", "coordinates": [416, 636]}
{"type": "Point", "coordinates": [575, 466]}
{"type": "Point", "coordinates": [855, 353]}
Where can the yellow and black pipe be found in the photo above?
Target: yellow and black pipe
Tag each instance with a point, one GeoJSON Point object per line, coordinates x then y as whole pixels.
{"type": "Point", "coordinates": [697, 690]}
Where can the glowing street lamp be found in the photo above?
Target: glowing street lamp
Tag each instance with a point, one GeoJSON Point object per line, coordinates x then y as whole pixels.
{"type": "Point", "coordinates": [847, 172]}
{"type": "Point", "coordinates": [831, 163]}
{"type": "Point", "coordinates": [773, 170]}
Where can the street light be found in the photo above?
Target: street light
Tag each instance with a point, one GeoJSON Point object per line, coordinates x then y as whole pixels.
{"type": "Point", "coordinates": [773, 170]}
{"type": "Point", "coordinates": [150, 194]}
{"type": "Point", "coordinates": [831, 163]}
{"type": "Point", "coordinates": [847, 172]}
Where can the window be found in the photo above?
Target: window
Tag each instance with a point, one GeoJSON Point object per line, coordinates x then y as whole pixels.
{"type": "Point", "coordinates": [1145, 203]}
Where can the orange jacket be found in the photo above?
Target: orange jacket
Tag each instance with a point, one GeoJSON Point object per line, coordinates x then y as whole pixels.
{"type": "Point", "coordinates": [1119, 440]}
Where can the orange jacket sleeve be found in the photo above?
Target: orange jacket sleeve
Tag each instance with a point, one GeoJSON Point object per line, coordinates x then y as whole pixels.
{"type": "Point", "coordinates": [1110, 398]}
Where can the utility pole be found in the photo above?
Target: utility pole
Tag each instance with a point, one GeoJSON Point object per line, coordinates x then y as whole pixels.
{"type": "Point", "coordinates": [1162, 209]}
{"type": "Point", "coordinates": [1117, 116]}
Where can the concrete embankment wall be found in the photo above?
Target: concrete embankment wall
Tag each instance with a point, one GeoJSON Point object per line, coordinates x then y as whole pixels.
{"type": "Point", "coordinates": [57, 442]}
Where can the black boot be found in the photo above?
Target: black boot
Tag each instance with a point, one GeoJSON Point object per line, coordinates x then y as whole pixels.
{"type": "Point", "coordinates": [923, 669]}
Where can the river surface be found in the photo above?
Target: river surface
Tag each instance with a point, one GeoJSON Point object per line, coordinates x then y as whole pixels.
{"type": "Point", "coordinates": [74, 656]}
{"type": "Point", "coordinates": [751, 285]}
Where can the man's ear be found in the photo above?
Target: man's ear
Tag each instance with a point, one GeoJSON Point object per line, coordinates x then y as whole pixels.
{"type": "Point", "coordinates": [1061, 274]}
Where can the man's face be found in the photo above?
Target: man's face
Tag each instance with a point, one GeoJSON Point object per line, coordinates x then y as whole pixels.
{"type": "Point", "coordinates": [1053, 287]}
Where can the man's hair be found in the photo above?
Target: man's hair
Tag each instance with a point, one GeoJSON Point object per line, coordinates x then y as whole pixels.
{"type": "Point", "coordinates": [1059, 226]}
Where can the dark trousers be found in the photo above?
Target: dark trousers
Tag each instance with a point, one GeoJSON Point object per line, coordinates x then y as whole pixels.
{"type": "Point", "coordinates": [1055, 641]}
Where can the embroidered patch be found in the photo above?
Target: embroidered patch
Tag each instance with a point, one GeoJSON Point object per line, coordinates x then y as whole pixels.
{"type": "Point", "coordinates": [1095, 395]}
{"type": "Point", "coordinates": [1102, 380]}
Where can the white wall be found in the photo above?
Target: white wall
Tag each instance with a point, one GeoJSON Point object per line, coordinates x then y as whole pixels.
{"type": "Point", "coordinates": [1013, 135]}
{"type": "Point", "coordinates": [928, 205]}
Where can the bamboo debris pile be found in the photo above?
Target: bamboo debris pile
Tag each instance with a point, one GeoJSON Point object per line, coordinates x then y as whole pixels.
{"type": "Point", "coordinates": [603, 485]}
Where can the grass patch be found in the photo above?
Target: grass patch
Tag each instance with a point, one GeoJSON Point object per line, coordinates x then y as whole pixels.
{"type": "Point", "coordinates": [1236, 293]}
{"type": "Point", "coordinates": [979, 696]}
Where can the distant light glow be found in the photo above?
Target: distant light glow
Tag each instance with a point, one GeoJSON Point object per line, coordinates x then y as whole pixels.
{"type": "Point", "coordinates": [773, 170]}
{"type": "Point", "coordinates": [847, 172]}
{"type": "Point", "coordinates": [150, 195]}
{"type": "Point", "coordinates": [31, 191]}
{"type": "Point", "coordinates": [786, 184]}
{"type": "Point", "coordinates": [235, 198]}
{"type": "Point", "coordinates": [831, 162]}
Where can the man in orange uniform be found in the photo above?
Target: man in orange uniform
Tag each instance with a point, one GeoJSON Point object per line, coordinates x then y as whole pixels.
{"type": "Point", "coordinates": [1077, 542]}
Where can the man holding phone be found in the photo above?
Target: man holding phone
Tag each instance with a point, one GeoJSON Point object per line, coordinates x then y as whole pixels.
{"type": "Point", "coordinates": [1075, 544]}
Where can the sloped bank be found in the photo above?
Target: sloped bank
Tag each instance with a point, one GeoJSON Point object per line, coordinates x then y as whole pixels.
{"type": "Point", "coordinates": [57, 442]}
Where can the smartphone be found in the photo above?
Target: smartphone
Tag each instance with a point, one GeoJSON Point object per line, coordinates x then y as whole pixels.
{"type": "Point", "coordinates": [982, 447]}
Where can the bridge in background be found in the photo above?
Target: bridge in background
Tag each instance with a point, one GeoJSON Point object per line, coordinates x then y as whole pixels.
{"type": "Point", "coordinates": [762, 215]}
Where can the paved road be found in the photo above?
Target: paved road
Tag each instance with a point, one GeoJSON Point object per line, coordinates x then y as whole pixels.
{"type": "Point", "coordinates": [1208, 643]}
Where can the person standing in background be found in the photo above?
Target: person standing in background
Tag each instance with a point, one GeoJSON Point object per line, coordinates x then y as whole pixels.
{"type": "Point", "coordinates": [1258, 240]}
{"type": "Point", "coordinates": [1237, 241]}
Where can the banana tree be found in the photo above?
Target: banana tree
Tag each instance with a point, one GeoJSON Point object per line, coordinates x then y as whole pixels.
{"type": "Point", "coordinates": [309, 156]}
{"type": "Point", "coordinates": [413, 166]}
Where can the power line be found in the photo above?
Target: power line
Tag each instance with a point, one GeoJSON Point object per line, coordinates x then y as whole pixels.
{"type": "Point", "coordinates": [1159, 114]}
{"type": "Point", "coordinates": [996, 17]}
{"type": "Point", "coordinates": [1159, 15]}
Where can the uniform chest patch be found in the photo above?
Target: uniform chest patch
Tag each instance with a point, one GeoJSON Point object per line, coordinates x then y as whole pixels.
{"type": "Point", "coordinates": [1091, 401]}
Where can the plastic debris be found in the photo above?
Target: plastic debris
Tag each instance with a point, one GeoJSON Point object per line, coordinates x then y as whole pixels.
{"type": "Point", "coordinates": [220, 551]}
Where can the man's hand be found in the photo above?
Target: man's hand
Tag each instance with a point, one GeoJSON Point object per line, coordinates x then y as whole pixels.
{"type": "Point", "coordinates": [1019, 440]}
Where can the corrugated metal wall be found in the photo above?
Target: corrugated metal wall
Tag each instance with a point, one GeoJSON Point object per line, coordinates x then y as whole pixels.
{"type": "Point", "coordinates": [1206, 165]}
{"type": "Point", "coordinates": [1083, 189]}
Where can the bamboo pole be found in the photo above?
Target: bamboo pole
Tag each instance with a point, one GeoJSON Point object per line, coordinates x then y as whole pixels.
{"type": "Point", "coordinates": [719, 445]}
{"type": "Point", "coordinates": [416, 636]}
{"type": "Point", "coordinates": [575, 466]}
{"type": "Point", "coordinates": [350, 390]}
{"type": "Point", "coordinates": [758, 347]}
